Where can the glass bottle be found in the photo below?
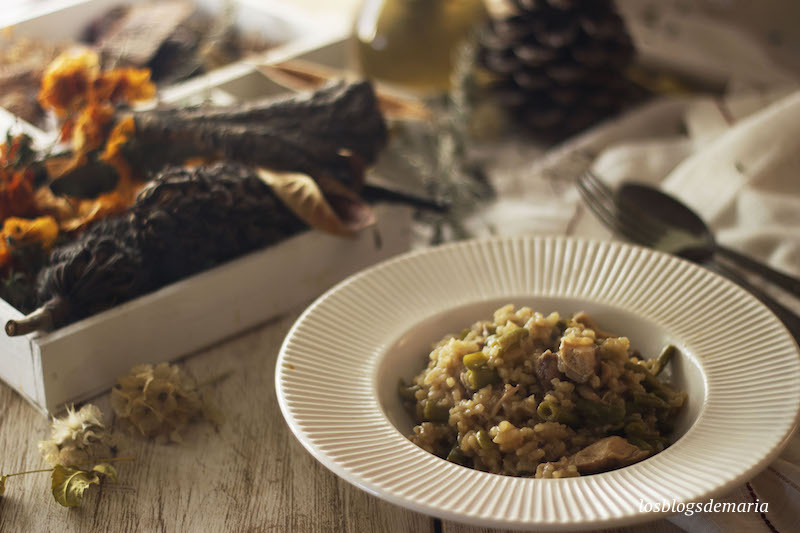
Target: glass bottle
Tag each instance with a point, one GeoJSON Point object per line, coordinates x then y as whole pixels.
{"type": "Point", "coordinates": [411, 43]}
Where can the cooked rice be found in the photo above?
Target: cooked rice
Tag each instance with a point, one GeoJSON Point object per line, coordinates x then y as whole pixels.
{"type": "Point", "coordinates": [518, 412]}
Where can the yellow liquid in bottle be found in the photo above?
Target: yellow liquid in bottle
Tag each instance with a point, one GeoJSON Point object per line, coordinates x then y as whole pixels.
{"type": "Point", "coordinates": [412, 43]}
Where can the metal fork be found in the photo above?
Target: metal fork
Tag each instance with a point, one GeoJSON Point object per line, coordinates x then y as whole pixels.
{"type": "Point", "coordinates": [636, 226]}
{"type": "Point", "coordinates": [633, 223]}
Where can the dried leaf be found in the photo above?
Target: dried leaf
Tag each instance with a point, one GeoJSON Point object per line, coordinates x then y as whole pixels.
{"type": "Point", "coordinates": [355, 213]}
{"type": "Point", "coordinates": [303, 195]}
{"type": "Point", "coordinates": [105, 205]}
{"type": "Point", "coordinates": [301, 75]}
{"type": "Point", "coordinates": [87, 179]}
{"type": "Point", "coordinates": [3, 484]}
{"type": "Point", "coordinates": [106, 470]}
{"type": "Point", "coordinates": [70, 483]}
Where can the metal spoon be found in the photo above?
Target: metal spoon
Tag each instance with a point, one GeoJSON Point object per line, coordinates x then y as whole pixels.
{"type": "Point", "coordinates": [679, 230]}
{"type": "Point", "coordinates": [691, 238]}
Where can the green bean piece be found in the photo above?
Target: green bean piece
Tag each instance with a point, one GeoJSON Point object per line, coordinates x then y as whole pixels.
{"type": "Point", "coordinates": [648, 399]}
{"type": "Point", "coordinates": [464, 334]}
{"type": "Point", "coordinates": [639, 430]}
{"type": "Point", "coordinates": [476, 360]}
{"type": "Point", "coordinates": [650, 381]}
{"type": "Point", "coordinates": [408, 392]}
{"type": "Point", "coordinates": [631, 407]}
{"type": "Point", "coordinates": [656, 386]}
{"type": "Point", "coordinates": [480, 377]}
{"type": "Point", "coordinates": [457, 456]}
{"type": "Point", "coordinates": [434, 412]}
{"type": "Point", "coordinates": [567, 418]}
{"type": "Point", "coordinates": [552, 412]}
{"type": "Point", "coordinates": [663, 358]}
{"type": "Point", "coordinates": [484, 440]}
{"type": "Point", "coordinates": [600, 412]}
{"type": "Point", "coordinates": [511, 338]}
{"type": "Point", "coordinates": [549, 411]}
{"type": "Point", "coordinates": [630, 365]}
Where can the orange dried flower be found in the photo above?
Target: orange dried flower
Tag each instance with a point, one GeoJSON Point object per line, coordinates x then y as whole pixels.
{"type": "Point", "coordinates": [123, 84]}
{"type": "Point", "coordinates": [16, 193]}
{"type": "Point", "coordinates": [92, 127]}
{"type": "Point", "coordinates": [66, 82]}
{"type": "Point", "coordinates": [105, 205]}
{"type": "Point", "coordinates": [16, 181]}
{"type": "Point", "coordinates": [22, 231]}
{"type": "Point", "coordinates": [41, 230]}
{"type": "Point", "coordinates": [74, 83]}
{"type": "Point", "coordinates": [122, 133]}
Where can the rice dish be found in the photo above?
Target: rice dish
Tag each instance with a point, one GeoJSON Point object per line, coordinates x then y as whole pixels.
{"type": "Point", "coordinates": [527, 394]}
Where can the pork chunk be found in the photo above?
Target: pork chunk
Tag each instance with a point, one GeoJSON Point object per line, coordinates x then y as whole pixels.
{"type": "Point", "coordinates": [577, 358]}
{"type": "Point", "coordinates": [607, 454]}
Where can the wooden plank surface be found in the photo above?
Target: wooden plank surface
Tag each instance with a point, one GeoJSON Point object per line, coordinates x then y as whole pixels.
{"type": "Point", "coordinates": [252, 475]}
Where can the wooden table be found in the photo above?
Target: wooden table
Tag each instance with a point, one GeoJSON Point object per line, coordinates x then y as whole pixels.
{"type": "Point", "coordinates": [252, 475]}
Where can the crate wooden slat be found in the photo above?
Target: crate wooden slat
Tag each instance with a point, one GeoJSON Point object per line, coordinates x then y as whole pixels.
{"type": "Point", "coordinates": [83, 359]}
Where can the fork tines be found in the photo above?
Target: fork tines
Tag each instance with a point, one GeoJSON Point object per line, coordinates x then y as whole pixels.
{"type": "Point", "coordinates": [621, 218]}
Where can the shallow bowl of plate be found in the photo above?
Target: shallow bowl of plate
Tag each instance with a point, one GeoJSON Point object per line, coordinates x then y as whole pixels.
{"type": "Point", "coordinates": [338, 370]}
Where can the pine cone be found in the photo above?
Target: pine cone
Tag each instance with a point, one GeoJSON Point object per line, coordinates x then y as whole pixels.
{"type": "Point", "coordinates": [558, 65]}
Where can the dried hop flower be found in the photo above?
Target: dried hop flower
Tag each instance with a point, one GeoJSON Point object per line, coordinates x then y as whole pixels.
{"type": "Point", "coordinates": [78, 438]}
{"type": "Point", "coordinates": [159, 401]}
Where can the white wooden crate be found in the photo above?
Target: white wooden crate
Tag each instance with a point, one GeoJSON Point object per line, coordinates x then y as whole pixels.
{"type": "Point", "coordinates": [276, 20]}
{"type": "Point", "coordinates": [84, 358]}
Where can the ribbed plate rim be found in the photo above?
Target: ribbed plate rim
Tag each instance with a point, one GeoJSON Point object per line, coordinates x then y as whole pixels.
{"type": "Point", "coordinates": [314, 441]}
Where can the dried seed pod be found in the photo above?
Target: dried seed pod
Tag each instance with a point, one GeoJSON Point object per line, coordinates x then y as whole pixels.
{"type": "Point", "coordinates": [186, 221]}
{"type": "Point", "coordinates": [183, 222]}
{"type": "Point", "coordinates": [102, 268]}
{"type": "Point", "coordinates": [189, 220]}
{"type": "Point", "coordinates": [321, 133]}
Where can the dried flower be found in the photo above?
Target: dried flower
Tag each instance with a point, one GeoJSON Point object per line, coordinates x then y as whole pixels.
{"type": "Point", "coordinates": [16, 178]}
{"type": "Point", "coordinates": [159, 401]}
{"type": "Point", "coordinates": [123, 85]}
{"type": "Point", "coordinates": [75, 85]}
{"type": "Point", "coordinates": [40, 230]}
{"type": "Point", "coordinates": [66, 82]}
{"type": "Point", "coordinates": [78, 438]}
{"type": "Point", "coordinates": [92, 127]}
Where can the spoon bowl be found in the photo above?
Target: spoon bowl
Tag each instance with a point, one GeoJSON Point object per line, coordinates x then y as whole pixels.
{"type": "Point", "coordinates": [683, 232]}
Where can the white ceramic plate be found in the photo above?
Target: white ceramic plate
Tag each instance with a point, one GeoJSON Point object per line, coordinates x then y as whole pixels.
{"type": "Point", "coordinates": [338, 369]}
